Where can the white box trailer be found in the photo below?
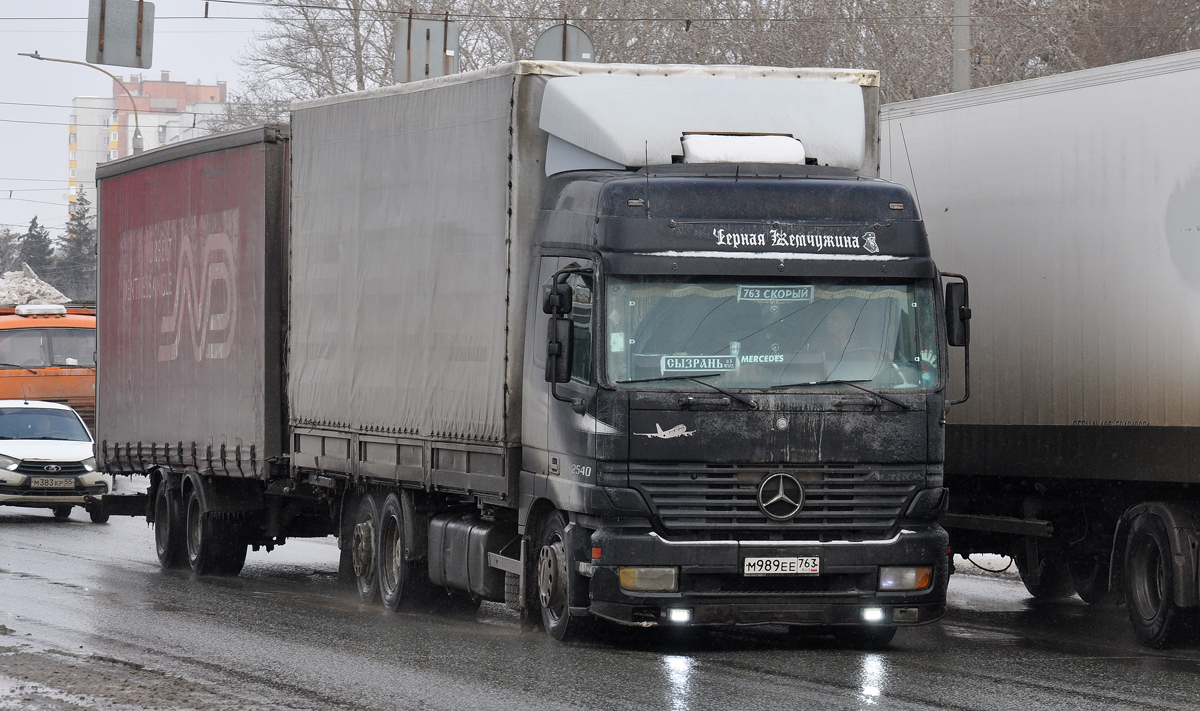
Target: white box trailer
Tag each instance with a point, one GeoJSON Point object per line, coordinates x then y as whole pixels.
{"type": "Point", "coordinates": [1072, 203]}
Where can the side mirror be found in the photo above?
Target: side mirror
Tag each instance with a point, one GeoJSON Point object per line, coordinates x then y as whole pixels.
{"type": "Point", "coordinates": [559, 349]}
{"type": "Point", "coordinates": [958, 315]}
{"type": "Point", "coordinates": [557, 298]}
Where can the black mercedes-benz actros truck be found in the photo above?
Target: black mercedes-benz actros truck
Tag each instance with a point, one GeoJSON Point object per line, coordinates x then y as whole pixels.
{"type": "Point", "coordinates": [643, 344]}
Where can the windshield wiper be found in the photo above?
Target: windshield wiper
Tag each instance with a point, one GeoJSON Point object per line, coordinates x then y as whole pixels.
{"type": "Point", "coordinates": [851, 383]}
{"type": "Point", "coordinates": [695, 379]}
{"type": "Point", "coordinates": [22, 367]}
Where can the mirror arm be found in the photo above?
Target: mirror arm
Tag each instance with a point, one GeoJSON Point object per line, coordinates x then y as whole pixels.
{"type": "Point", "coordinates": [965, 310]}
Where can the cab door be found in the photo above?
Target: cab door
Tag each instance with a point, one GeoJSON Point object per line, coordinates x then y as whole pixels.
{"type": "Point", "coordinates": [571, 428]}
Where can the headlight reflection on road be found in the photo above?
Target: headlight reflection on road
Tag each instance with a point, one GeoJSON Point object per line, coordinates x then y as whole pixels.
{"type": "Point", "coordinates": [872, 677]}
{"type": "Point", "coordinates": [679, 676]}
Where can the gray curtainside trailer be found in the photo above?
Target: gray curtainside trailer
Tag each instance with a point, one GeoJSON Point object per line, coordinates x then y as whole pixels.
{"type": "Point", "coordinates": [1074, 203]}
{"type": "Point", "coordinates": [591, 340]}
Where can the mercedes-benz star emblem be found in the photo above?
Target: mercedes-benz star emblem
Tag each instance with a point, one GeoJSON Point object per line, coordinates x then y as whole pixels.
{"type": "Point", "coordinates": [780, 496]}
{"type": "Point", "coordinates": [52, 468]}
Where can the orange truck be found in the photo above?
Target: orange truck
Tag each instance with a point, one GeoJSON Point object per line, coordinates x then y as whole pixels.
{"type": "Point", "coordinates": [48, 352]}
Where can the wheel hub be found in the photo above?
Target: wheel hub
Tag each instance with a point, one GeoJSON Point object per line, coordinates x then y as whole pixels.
{"type": "Point", "coordinates": [363, 548]}
{"type": "Point", "coordinates": [552, 577]}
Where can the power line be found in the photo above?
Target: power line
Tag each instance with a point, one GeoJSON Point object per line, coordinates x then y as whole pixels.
{"type": "Point", "coordinates": [58, 123]}
{"type": "Point", "coordinates": [40, 202]}
{"type": "Point", "coordinates": [1018, 19]}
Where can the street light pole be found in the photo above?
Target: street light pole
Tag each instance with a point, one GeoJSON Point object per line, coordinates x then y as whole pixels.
{"type": "Point", "coordinates": [137, 128]}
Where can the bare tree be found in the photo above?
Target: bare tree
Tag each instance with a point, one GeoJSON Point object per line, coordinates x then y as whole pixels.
{"type": "Point", "coordinates": [319, 48]}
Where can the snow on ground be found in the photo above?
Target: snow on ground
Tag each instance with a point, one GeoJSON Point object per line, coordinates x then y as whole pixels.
{"type": "Point", "coordinates": [25, 287]}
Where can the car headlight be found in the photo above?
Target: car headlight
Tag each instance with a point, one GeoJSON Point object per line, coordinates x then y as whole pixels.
{"type": "Point", "coordinates": [89, 464]}
{"type": "Point", "coordinates": [9, 463]}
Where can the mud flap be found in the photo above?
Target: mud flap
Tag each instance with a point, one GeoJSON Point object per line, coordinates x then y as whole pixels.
{"type": "Point", "coordinates": [579, 544]}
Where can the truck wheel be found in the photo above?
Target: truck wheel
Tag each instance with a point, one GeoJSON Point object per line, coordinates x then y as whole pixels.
{"type": "Point", "coordinates": [395, 574]}
{"type": "Point", "coordinates": [553, 567]}
{"type": "Point", "coordinates": [168, 527]}
{"type": "Point", "coordinates": [1050, 578]}
{"type": "Point", "coordinates": [1089, 576]}
{"type": "Point", "coordinates": [363, 544]}
{"type": "Point", "coordinates": [215, 546]}
{"type": "Point", "coordinates": [62, 513]}
{"type": "Point", "coordinates": [1150, 585]}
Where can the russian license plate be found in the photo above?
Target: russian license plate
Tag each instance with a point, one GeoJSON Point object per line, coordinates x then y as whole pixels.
{"type": "Point", "coordinates": [806, 565]}
{"type": "Point", "coordinates": [51, 482]}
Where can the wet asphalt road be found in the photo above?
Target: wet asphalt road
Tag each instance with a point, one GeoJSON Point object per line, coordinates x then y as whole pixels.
{"type": "Point", "coordinates": [93, 622]}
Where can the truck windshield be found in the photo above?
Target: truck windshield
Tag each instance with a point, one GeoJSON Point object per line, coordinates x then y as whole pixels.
{"type": "Point", "coordinates": [761, 333]}
{"type": "Point", "coordinates": [48, 347]}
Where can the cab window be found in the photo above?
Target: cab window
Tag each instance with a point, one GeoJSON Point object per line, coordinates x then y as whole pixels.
{"type": "Point", "coordinates": [25, 347]}
{"type": "Point", "coordinates": [581, 320]}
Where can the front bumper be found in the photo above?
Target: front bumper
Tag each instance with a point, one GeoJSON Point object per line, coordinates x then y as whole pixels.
{"type": "Point", "coordinates": [15, 490]}
{"type": "Point", "coordinates": [713, 589]}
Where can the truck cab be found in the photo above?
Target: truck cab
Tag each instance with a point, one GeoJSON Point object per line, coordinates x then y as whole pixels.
{"type": "Point", "coordinates": [742, 387]}
{"type": "Point", "coordinates": [48, 352]}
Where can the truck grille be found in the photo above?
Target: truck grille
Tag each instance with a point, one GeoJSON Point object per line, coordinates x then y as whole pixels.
{"type": "Point", "coordinates": [39, 468]}
{"type": "Point", "coordinates": [722, 503]}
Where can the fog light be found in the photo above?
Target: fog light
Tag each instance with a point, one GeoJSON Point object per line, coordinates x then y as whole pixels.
{"type": "Point", "coordinates": [649, 579]}
{"type": "Point", "coordinates": [904, 578]}
{"type": "Point", "coordinates": [872, 614]}
{"type": "Point", "coordinates": [679, 616]}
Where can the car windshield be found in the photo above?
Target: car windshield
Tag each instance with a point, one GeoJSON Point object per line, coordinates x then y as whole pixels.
{"type": "Point", "coordinates": [38, 423]}
{"type": "Point", "coordinates": [48, 347]}
{"type": "Point", "coordinates": [760, 333]}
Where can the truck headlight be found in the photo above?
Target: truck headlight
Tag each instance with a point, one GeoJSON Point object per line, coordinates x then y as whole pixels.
{"type": "Point", "coordinates": [9, 463]}
{"type": "Point", "coordinates": [904, 578]}
{"type": "Point", "coordinates": [89, 464]}
{"type": "Point", "coordinates": [649, 579]}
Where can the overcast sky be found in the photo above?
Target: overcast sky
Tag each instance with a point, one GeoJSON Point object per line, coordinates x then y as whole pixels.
{"type": "Point", "coordinates": [33, 153]}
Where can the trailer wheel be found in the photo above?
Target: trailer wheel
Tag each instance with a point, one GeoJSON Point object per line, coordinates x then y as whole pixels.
{"type": "Point", "coordinates": [553, 567]}
{"type": "Point", "coordinates": [396, 576]}
{"type": "Point", "coordinates": [1049, 578]}
{"type": "Point", "coordinates": [1150, 585]}
{"type": "Point", "coordinates": [62, 513]}
{"type": "Point", "coordinates": [97, 516]}
{"type": "Point", "coordinates": [168, 527]}
{"type": "Point", "coordinates": [363, 545]}
{"type": "Point", "coordinates": [215, 545]}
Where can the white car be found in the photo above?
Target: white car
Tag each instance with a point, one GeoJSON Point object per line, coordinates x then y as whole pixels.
{"type": "Point", "coordinates": [47, 459]}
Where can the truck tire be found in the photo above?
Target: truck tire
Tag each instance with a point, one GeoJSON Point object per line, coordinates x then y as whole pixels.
{"type": "Point", "coordinates": [1150, 585]}
{"type": "Point", "coordinates": [215, 545]}
{"type": "Point", "coordinates": [1051, 580]}
{"type": "Point", "coordinates": [553, 567]}
{"type": "Point", "coordinates": [363, 545]}
{"type": "Point", "coordinates": [169, 541]}
{"type": "Point", "coordinates": [397, 578]}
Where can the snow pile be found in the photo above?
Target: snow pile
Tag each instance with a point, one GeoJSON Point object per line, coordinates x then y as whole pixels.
{"type": "Point", "coordinates": [25, 287]}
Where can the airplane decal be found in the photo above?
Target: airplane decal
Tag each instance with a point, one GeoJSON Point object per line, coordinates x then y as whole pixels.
{"type": "Point", "coordinates": [676, 431]}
